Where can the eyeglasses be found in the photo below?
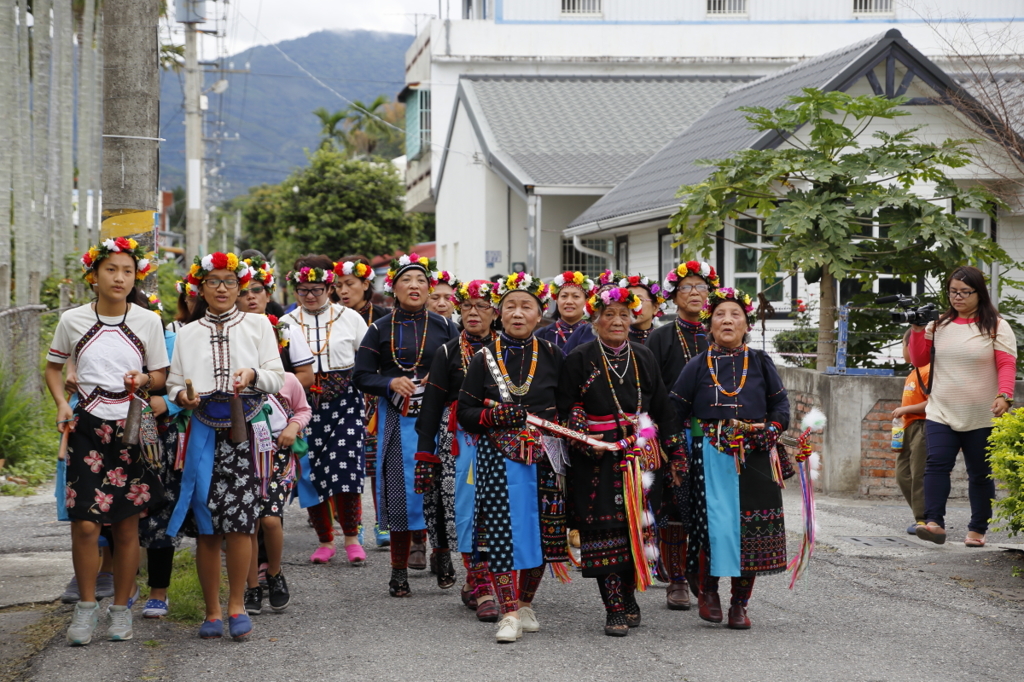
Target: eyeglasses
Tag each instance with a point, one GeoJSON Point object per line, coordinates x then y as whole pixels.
{"type": "Point", "coordinates": [960, 293]}
{"type": "Point", "coordinates": [687, 288]}
{"type": "Point", "coordinates": [253, 290]}
{"type": "Point", "coordinates": [215, 283]}
{"type": "Point", "coordinates": [315, 291]}
{"type": "Point", "coordinates": [479, 307]}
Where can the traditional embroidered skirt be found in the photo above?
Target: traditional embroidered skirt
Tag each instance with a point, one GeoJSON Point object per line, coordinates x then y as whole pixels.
{"type": "Point", "coordinates": [604, 551]}
{"type": "Point", "coordinates": [399, 507]}
{"type": "Point", "coordinates": [465, 492]}
{"type": "Point", "coordinates": [335, 461]}
{"type": "Point", "coordinates": [106, 481]}
{"type": "Point", "coordinates": [220, 490]}
{"type": "Point", "coordinates": [439, 502]}
{"type": "Point", "coordinates": [153, 527]}
{"type": "Point", "coordinates": [737, 519]}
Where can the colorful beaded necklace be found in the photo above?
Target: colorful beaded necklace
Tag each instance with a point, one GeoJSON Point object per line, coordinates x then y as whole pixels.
{"type": "Point", "coordinates": [611, 384]}
{"type": "Point", "coordinates": [518, 391]}
{"type": "Point", "coordinates": [419, 353]}
{"type": "Point", "coordinates": [743, 377]}
{"type": "Point", "coordinates": [687, 353]}
{"type": "Point", "coordinates": [466, 347]}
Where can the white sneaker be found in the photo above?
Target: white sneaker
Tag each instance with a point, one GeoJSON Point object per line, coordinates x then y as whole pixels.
{"type": "Point", "coordinates": [83, 622]}
{"type": "Point", "coordinates": [528, 620]}
{"type": "Point", "coordinates": [120, 629]}
{"type": "Point", "coordinates": [509, 630]}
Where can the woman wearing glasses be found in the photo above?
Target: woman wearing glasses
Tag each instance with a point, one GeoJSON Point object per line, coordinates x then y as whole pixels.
{"type": "Point", "coordinates": [973, 356]}
{"type": "Point", "coordinates": [333, 468]}
{"type": "Point", "coordinates": [673, 346]}
{"type": "Point", "coordinates": [393, 363]}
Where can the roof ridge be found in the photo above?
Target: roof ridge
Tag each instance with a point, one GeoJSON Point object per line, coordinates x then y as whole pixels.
{"type": "Point", "coordinates": [739, 78]}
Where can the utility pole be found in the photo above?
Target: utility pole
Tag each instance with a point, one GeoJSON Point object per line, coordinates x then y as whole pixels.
{"type": "Point", "coordinates": [190, 13]}
{"type": "Point", "coordinates": [131, 121]}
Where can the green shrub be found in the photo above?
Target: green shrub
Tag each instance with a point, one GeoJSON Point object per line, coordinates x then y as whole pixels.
{"type": "Point", "coordinates": [799, 340]}
{"type": "Point", "coordinates": [28, 439]}
{"type": "Point", "coordinates": [1006, 454]}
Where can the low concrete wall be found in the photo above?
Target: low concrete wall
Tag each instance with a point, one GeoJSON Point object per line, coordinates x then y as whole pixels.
{"type": "Point", "coordinates": [856, 453]}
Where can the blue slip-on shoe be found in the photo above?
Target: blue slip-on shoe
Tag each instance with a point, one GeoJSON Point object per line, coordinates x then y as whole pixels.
{"type": "Point", "coordinates": [155, 608]}
{"type": "Point", "coordinates": [360, 536]}
{"type": "Point", "coordinates": [239, 626]}
{"type": "Point", "coordinates": [211, 629]}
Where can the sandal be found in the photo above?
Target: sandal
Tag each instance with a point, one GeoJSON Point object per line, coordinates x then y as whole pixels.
{"type": "Point", "coordinates": [932, 532]}
{"type": "Point", "coordinates": [974, 542]}
{"type": "Point", "coordinates": [399, 589]}
{"type": "Point", "coordinates": [445, 570]}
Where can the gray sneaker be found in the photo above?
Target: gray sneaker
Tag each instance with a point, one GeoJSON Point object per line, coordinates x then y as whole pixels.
{"type": "Point", "coordinates": [120, 628]}
{"type": "Point", "coordinates": [71, 595]}
{"type": "Point", "coordinates": [83, 622]}
{"type": "Point", "coordinates": [104, 586]}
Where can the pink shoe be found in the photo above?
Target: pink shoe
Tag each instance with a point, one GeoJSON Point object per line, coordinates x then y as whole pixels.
{"type": "Point", "coordinates": [356, 555]}
{"type": "Point", "coordinates": [322, 555]}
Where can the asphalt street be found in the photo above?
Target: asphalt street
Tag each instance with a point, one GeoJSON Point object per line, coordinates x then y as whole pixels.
{"type": "Point", "coordinates": [892, 609]}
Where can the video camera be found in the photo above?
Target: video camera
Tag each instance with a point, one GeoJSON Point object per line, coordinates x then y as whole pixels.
{"type": "Point", "coordinates": [910, 314]}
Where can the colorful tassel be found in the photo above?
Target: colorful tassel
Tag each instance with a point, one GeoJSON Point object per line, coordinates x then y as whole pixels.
{"type": "Point", "coordinates": [808, 464]}
{"type": "Point", "coordinates": [560, 571]}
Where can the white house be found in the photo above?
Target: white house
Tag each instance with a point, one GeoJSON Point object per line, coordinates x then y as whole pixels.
{"type": "Point", "coordinates": [465, 156]}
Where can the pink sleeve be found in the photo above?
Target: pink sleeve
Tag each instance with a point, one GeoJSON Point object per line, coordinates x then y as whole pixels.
{"type": "Point", "coordinates": [1006, 366]}
{"type": "Point", "coordinates": [920, 349]}
{"type": "Point", "coordinates": [296, 397]}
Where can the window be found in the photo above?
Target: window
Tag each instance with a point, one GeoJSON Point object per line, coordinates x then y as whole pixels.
{"type": "Point", "coordinates": [727, 6]}
{"type": "Point", "coordinates": [622, 253]}
{"type": "Point", "coordinates": [581, 7]}
{"type": "Point", "coordinates": [591, 266]}
{"type": "Point", "coordinates": [872, 6]}
{"type": "Point", "coordinates": [744, 270]}
{"type": "Point", "coordinates": [417, 124]}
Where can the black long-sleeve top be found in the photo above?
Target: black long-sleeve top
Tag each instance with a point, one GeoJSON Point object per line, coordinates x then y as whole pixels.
{"type": "Point", "coordinates": [674, 345]}
{"type": "Point", "coordinates": [371, 312]}
{"type": "Point", "coordinates": [763, 397]}
{"type": "Point", "coordinates": [443, 385]}
{"type": "Point", "coordinates": [376, 365]}
{"type": "Point", "coordinates": [479, 385]}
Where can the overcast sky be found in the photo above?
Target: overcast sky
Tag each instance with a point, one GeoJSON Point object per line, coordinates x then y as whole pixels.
{"type": "Point", "coordinates": [259, 22]}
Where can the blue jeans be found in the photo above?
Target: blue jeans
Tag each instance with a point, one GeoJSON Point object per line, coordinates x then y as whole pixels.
{"type": "Point", "coordinates": [943, 445]}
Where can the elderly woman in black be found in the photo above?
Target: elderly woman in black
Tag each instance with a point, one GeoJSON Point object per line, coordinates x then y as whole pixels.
{"type": "Point", "coordinates": [735, 393]}
{"type": "Point", "coordinates": [611, 387]}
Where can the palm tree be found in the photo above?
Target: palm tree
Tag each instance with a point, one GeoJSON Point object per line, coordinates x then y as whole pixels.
{"type": "Point", "coordinates": [365, 128]}
{"type": "Point", "coordinates": [330, 130]}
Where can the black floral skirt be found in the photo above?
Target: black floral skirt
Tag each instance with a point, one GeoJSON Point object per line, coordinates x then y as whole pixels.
{"type": "Point", "coordinates": [107, 481]}
{"type": "Point", "coordinates": [153, 527]}
{"type": "Point", "coordinates": [272, 504]}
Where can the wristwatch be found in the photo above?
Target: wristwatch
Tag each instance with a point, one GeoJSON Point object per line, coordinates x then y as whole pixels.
{"type": "Point", "coordinates": [1007, 397]}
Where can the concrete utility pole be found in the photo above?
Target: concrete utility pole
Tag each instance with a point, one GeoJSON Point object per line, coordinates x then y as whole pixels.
{"type": "Point", "coordinates": [190, 13]}
{"type": "Point", "coordinates": [131, 121]}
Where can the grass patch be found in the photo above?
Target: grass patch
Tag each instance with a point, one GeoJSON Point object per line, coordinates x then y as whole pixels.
{"type": "Point", "coordinates": [28, 439]}
{"type": "Point", "coordinates": [185, 593]}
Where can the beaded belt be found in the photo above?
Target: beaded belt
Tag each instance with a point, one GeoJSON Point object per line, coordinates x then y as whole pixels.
{"type": "Point", "coordinates": [330, 385]}
{"type": "Point", "coordinates": [215, 412]}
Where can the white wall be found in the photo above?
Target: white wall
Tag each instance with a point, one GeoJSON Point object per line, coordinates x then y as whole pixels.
{"type": "Point", "coordinates": [461, 206]}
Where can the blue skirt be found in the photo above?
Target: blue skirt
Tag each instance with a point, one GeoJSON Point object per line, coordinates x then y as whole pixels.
{"type": "Point", "coordinates": [465, 492]}
{"type": "Point", "coordinates": [507, 496]}
{"type": "Point", "coordinates": [399, 508]}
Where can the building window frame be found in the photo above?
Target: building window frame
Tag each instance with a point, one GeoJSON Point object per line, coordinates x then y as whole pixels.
{"type": "Point", "coordinates": [582, 8]}
{"type": "Point", "coordinates": [726, 8]}
{"type": "Point", "coordinates": [873, 8]}
{"type": "Point", "coordinates": [745, 239]}
{"type": "Point", "coordinates": [591, 266]}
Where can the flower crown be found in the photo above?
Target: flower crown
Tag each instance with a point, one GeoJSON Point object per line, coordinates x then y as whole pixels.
{"type": "Point", "coordinates": [281, 330]}
{"type": "Point", "coordinates": [154, 304]}
{"type": "Point", "coordinates": [310, 275]}
{"type": "Point", "coordinates": [477, 288]}
{"type": "Point", "coordinates": [446, 277]}
{"type": "Point", "coordinates": [406, 262]}
{"type": "Point", "coordinates": [572, 279]}
{"type": "Point", "coordinates": [520, 281]}
{"type": "Point", "coordinates": [606, 297]}
{"type": "Point", "coordinates": [144, 265]}
{"type": "Point", "coordinates": [216, 261]}
{"type": "Point", "coordinates": [353, 268]}
{"type": "Point", "coordinates": [181, 286]}
{"type": "Point", "coordinates": [657, 293]}
{"type": "Point", "coordinates": [260, 271]}
{"type": "Point", "coordinates": [684, 270]}
{"type": "Point", "coordinates": [609, 277]}
{"type": "Point", "coordinates": [719, 296]}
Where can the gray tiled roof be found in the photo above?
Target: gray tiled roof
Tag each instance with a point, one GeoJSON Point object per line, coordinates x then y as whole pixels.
{"type": "Point", "coordinates": [579, 130]}
{"type": "Point", "coordinates": [721, 131]}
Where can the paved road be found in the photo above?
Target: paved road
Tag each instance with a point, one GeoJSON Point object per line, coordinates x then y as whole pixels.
{"type": "Point", "coordinates": [902, 611]}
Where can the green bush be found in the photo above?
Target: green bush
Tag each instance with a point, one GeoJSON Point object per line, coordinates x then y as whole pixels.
{"type": "Point", "coordinates": [799, 340]}
{"type": "Point", "coordinates": [1006, 454]}
{"type": "Point", "coordinates": [28, 439]}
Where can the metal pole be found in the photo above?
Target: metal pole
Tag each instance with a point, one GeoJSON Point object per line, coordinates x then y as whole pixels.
{"type": "Point", "coordinates": [195, 217]}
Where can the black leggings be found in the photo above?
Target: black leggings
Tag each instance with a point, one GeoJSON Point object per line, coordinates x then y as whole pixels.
{"type": "Point", "coordinates": [943, 445]}
{"type": "Point", "coordinates": [161, 562]}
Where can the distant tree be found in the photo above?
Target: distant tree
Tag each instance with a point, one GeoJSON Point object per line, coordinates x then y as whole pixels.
{"type": "Point", "coordinates": [371, 129]}
{"type": "Point", "coordinates": [338, 205]}
{"type": "Point", "coordinates": [261, 209]}
{"type": "Point", "coordinates": [819, 199]}
{"type": "Point", "coordinates": [330, 126]}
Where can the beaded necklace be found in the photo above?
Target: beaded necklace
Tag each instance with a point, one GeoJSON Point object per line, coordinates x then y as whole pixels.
{"type": "Point", "coordinates": [367, 313]}
{"type": "Point", "coordinates": [466, 347]}
{"type": "Point", "coordinates": [743, 377]}
{"type": "Point", "coordinates": [565, 330]}
{"type": "Point", "coordinates": [687, 353]}
{"type": "Point", "coordinates": [326, 345]}
{"type": "Point", "coordinates": [611, 385]}
{"type": "Point", "coordinates": [518, 391]}
{"type": "Point", "coordinates": [423, 344]}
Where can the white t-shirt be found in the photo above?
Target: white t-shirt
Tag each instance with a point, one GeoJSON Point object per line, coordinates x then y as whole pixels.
{"type": "Point", "coordinates": [298, 349]}
{"type": "Point", "coordinates": [333, 336]}
{"type": "Point", "coordinates": [104, 349]}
